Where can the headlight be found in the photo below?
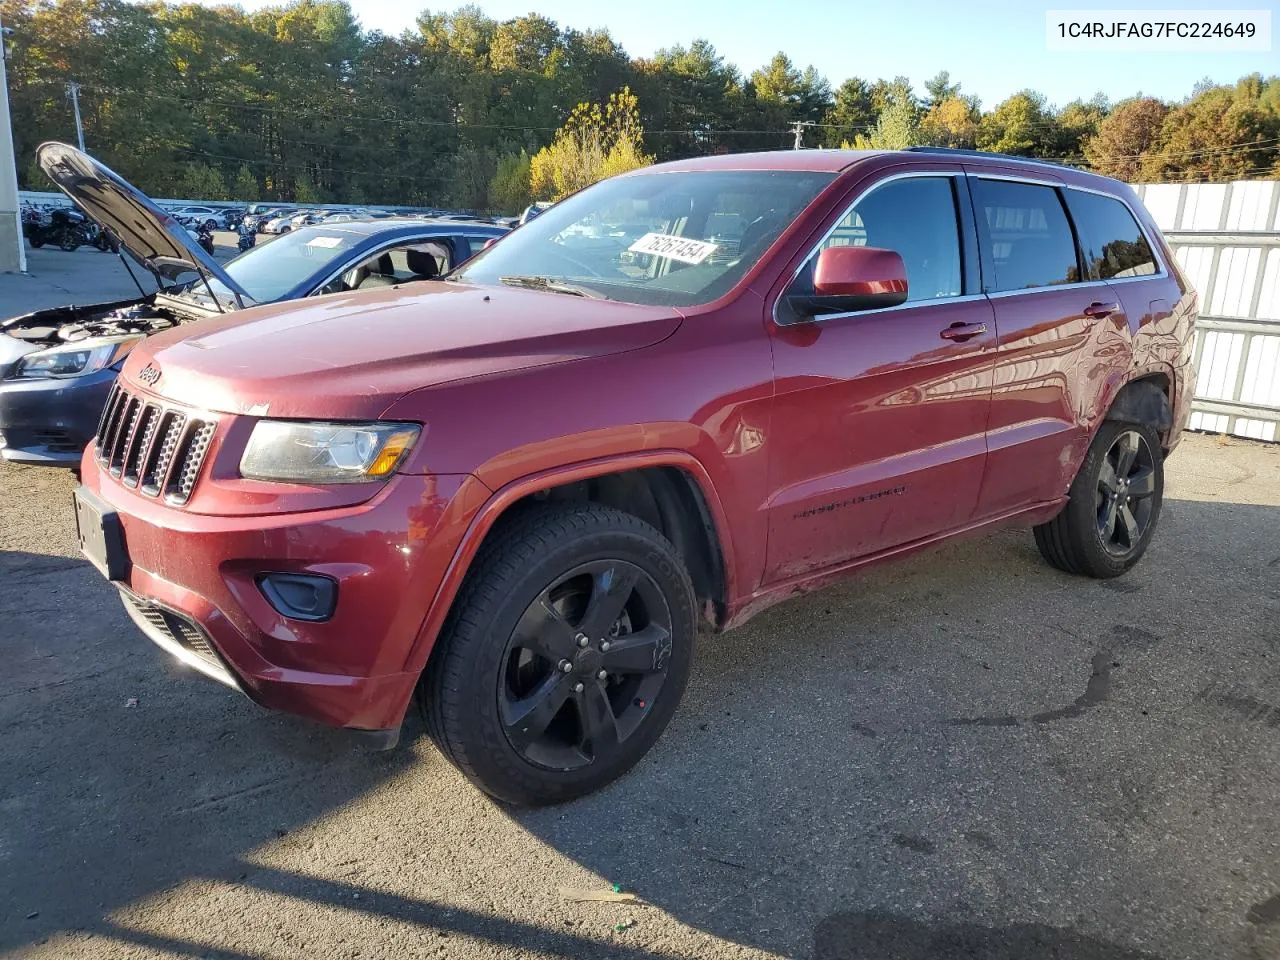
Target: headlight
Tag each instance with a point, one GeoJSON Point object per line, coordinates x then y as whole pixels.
{"type": "Point", "coordinates": [74, 359]}
{"type": "Point", "coordinates": [285, 450]}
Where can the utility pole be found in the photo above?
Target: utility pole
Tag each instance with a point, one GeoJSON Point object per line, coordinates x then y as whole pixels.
{"type": "Point", "coordinates": [798, 129]}
{"type": "Point", "coordinates": [73, 94]}
{"type": "Point", "coordinates": [13, 254]}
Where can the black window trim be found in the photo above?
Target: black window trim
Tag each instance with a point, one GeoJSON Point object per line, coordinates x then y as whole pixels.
{"type": "Point", "coordinates": [965, 204]}
{"type": "Point", "coordinates": [1162, 268]}
{"type": "Point", "coordinates": [984, 232]}
{"type": "Point", "coordinates": [1084, 253]}
{"type": "Point", "coordinates": [970, 271]}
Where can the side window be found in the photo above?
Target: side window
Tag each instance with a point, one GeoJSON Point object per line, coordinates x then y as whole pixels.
{"type": "Point", "coordinates": [1113, 243]}
{"type": "Point", "coordinates": [1026, 235]}
{"type": "Point", "coordinates": [916, 218]}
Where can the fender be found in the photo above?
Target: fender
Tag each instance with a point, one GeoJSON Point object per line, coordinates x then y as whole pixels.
{"type": "Point", "coordinates": [505, 496]}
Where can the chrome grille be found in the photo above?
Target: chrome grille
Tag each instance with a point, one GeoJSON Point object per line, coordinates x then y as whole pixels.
{"type": "Point", "coordinates": [154, 448]}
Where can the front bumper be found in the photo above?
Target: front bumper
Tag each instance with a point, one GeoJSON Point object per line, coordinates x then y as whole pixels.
{"type": "Point", "coordinates": [49, 422]}
{"type": "Point", "coordinates": [192, 588]}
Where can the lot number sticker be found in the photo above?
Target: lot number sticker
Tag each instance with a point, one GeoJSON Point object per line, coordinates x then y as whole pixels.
{"type": "Point", "coordinates": [674, 248]}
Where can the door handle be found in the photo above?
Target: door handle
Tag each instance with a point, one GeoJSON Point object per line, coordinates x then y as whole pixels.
{"type": "Point", "coordinates": [1100, 309]}
{"type": "Point", "coordinates": [963, 331]}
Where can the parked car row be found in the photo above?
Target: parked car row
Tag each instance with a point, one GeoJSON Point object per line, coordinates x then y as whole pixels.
{"type": "Point", "coordinates": [669, 401]}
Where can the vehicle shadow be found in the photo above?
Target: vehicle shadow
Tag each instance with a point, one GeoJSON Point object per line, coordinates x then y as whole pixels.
{"type": "Point", "coordinates": [922, 762]}
{"type": "Point", "coordinates": [973, 755]}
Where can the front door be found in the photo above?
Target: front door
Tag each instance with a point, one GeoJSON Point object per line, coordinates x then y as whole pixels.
{"type": "Point", "coordinates": [880, 417]}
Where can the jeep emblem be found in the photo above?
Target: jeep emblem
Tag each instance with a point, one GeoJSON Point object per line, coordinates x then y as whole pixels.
{"type": "Point", "coordinates": [149, 374]}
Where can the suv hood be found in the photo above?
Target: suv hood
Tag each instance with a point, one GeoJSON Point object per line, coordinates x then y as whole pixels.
{"type": "Point", "coordinates": [150, 235]}
{"type": "Point", "coordinates": [350, 356]}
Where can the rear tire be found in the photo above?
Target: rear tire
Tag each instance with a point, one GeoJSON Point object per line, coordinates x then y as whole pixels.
{"type": "Point", "coordinates": [1114, 504]}
{"type": "Point", "coordinates": [529, 692]}
{"type": "Point", "coordinates": [68, 242]}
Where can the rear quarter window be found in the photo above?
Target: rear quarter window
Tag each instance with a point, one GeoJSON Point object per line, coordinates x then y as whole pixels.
{"type": "Point", "coordinates": [1114, 245]}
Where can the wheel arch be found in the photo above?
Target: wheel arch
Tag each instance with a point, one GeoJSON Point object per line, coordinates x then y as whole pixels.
{"type": "Point", "coordinates": [670, 489]}
{"type": "Point", "coordinates": [1146, 398]}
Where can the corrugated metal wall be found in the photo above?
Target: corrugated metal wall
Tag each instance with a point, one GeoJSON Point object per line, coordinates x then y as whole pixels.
{"type": "Point", "coordinates": [1226, 237]}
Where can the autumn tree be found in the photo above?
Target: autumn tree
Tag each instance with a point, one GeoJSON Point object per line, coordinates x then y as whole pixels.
{"type": "Point", "coordinates": [594, 143]}
{"type": "Point", "coordinates": [951, 123]}
{"type": "Point", "coordinates": [1125, 136]}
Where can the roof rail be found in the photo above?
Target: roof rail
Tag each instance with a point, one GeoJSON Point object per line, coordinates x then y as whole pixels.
{"type": "Point", "coordinates": [959, 151]}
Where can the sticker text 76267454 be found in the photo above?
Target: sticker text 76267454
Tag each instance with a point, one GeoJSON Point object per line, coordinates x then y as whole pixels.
{"type": "Point", "coordinates": [684, 249]}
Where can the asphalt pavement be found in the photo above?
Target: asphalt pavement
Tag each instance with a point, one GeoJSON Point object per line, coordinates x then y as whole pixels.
{"type": "Point", "coordinates": [964, 755]}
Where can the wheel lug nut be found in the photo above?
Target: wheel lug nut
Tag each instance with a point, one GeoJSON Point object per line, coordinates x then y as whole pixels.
{"type": "Point", "coordinates": [604, 645]}
{"type": "Point", "coordinates": [566, 666]}
{"type": "Point", "coordinates": [582, 640]}
{"type": "Point", "coordinates": [578, 688]}
{"type": "Point", "coordinates": [602, 674]}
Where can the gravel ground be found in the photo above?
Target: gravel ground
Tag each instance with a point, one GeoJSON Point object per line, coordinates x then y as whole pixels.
{"type": "Point", "coordinates": [966, 754]}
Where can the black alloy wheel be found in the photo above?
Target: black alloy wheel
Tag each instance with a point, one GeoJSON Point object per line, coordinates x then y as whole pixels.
{"type": "Point", "coordinates": [1124, 497]}
{"type": "Point", "coordinates": [583, 665]}
{"type": "Point", "coordinates": [564, 656]}
{"type": "Point", "coordinates": [1113, 505]}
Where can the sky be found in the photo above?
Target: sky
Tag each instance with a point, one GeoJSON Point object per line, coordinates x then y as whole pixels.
{"type": "Point", "coordinates": [993, 48]}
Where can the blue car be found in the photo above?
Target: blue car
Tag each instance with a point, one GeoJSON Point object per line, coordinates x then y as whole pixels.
{"type": "Point", "coordinates": [57, 365]}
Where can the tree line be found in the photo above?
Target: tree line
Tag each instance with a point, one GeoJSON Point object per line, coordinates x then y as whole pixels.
{"type": "Point", "coordinates": [298, 103]}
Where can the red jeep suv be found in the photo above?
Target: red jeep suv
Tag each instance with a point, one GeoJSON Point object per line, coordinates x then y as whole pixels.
{"type": "Point", "coordinates": [671, 400]}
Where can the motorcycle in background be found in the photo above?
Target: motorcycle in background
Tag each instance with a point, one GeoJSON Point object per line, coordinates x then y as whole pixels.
{"type": "Point", "coordinates": [66, 229]}
{"type": "Point", "coordinates": [248, 236]}
{"type": "Point", "coordinates": [205, 238]}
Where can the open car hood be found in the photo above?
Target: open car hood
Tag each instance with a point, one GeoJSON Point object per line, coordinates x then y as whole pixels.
{"type": "Point", "coordinates": [150, 235]}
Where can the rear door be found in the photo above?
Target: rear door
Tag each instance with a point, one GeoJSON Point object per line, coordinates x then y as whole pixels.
{"type": "Point", "coordinates": [1050, 321]}
{"type": "Point", "coordinates": [880, 416]}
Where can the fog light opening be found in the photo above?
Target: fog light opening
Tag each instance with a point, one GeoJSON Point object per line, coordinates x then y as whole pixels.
{"type": "Point", "coordinates": [300, 596]}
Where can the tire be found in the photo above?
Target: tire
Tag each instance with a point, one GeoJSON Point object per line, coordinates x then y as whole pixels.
{"type": "Point", "coordinates": [1100, 533]}
{"type": "Point", "coordinates": [211, 224]}
{"type": "Point", "coordinates": [36, 242]}
{"type": "Point", "coordinates": [285, 229]}
{"type": "Point", "coordinates": [547, 572]}
{"type": "Point", "coordinates": [69, 242]}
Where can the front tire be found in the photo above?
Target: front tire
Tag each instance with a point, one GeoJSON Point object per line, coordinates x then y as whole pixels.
{"type": "Point", "coordinates": [564, 657]}
{"type": "Point", "coordinates": [1114, 504]}
{"type": "Point", "coordinates": [68, 242]}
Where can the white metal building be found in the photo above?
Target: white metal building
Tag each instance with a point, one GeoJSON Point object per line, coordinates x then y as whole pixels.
{"type": "Point", "coordinates": [1226, 237]}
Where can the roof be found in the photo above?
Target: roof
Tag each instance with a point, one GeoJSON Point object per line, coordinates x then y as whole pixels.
{"type": "Point", "coordinates": [388, 224]}
{"type": "Point", "coordinates": [812, 161]}
{"type": "Point", "coordinates": [836, 161]}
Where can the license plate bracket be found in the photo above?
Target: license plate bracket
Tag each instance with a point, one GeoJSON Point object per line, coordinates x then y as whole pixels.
{"type": "Point", "coordinates": [101, 535]}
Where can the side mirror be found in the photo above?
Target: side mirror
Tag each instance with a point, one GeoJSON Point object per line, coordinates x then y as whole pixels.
{"type": "Point", "coordinates": [846, 279]}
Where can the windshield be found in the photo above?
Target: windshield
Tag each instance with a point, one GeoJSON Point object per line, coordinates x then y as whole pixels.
{"type": "Point", "coordinates": [271, 270]}
{"type": "Point", "coordinates": [668, 239]}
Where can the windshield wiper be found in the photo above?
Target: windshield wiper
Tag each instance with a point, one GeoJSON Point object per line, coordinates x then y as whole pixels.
{"type": "Point", "coordinates": [551, 286]}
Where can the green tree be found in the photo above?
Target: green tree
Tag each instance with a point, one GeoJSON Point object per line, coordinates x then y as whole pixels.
{"type": "Point", "coordinates": [851, 113]}
{"type": "Point", "coordinates": [245, 186]}
{"type": "Point", "coordinates": [1022, 125]}
{"type": "Point", "coordinates": [511, 190]}
{"type": "Point", "coordinates": [940, 90]}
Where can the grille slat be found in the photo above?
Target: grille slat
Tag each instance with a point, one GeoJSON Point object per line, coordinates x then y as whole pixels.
{"type": "Point", "coordinates": [111, 422]}
{"type": "Point", "coordinates": [139, 443]}
{"type": "Point", "coordinates": [129, 420]}
{"type": "Point", "coordinates": [157, 449]}
{"type": "Point", "coordinates": [157, 471]}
